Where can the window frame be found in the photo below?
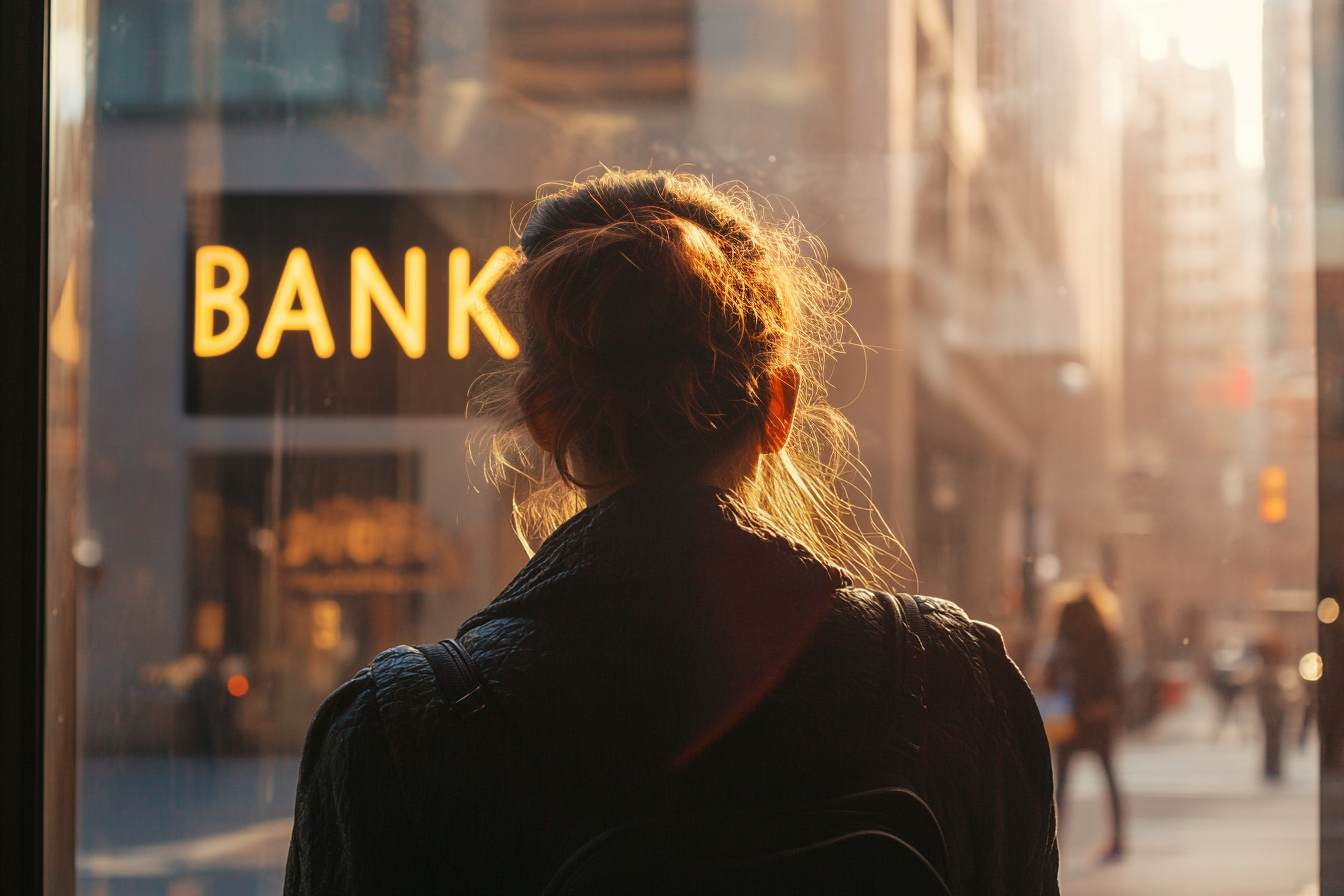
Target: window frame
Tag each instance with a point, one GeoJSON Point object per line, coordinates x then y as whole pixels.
{"type": "Point", "coordinates": [23, 243]}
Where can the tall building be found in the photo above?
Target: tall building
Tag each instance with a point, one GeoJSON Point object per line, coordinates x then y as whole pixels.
{"type": "Point", "coordinates": [1193, 358]}
{"type": "Point", "coordinates": [1290, 311]}
{"type": "Point", "coordinates": [1017, 292]}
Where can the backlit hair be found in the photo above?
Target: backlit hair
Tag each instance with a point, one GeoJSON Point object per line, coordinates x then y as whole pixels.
{"type": "Point", "coordinates": [652, 308]}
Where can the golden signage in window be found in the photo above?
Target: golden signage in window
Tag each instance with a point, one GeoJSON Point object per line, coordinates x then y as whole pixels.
{"type": "Point", "coordinates": [345, 545]}
{"type": "Point", "coordinates": [345, 304]}
{"type": "Point", "coordinates": [298, 304]}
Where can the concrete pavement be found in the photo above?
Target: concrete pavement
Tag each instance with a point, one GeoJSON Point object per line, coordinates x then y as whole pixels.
{"type": "Point", "coordinates": [1200, 819]}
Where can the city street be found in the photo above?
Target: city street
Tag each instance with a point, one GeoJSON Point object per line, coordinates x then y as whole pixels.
{"type": "Point", "coordinates": [1200, 818]}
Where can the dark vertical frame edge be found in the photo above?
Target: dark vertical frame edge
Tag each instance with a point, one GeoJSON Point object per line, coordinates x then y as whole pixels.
{"type": "Point", "coordinates": [23, 243]}
{"type": "Point", "coordinates": [1327, 41]}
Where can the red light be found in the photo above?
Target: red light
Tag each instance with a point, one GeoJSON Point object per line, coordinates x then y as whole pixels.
{"type": "Point", "coordinates": [238, 685]}
{"type": "Point", "coordinates": [1238, 387]}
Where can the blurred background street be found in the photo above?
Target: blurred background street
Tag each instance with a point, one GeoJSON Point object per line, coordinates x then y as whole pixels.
{"type": "Point", "coordinates": [1200, 818]}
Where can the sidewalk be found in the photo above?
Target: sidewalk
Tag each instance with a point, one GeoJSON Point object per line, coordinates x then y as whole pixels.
{"type": "Point", "coordinates": [1200, 819]}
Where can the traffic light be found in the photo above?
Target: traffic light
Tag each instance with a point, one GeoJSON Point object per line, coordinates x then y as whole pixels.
{"type": "Point", "coordinates": [1273, 500]}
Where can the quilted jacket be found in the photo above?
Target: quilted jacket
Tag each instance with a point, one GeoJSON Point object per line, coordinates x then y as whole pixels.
{"type": "Point", "coordinates": [666, 649]}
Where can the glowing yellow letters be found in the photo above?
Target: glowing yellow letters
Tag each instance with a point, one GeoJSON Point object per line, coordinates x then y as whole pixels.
{"type": "Point", "coordinates": [467, 301]}
{"type": "Point", "coordinates": [297, 280]}
{"type": "Point", "coordinates": [368, 287]}
{"type": "Point", "coordinates": [226, 298]}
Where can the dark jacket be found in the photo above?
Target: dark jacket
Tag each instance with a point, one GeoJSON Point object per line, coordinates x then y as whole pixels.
{"type": "Point", "coordinates": [666, 649]}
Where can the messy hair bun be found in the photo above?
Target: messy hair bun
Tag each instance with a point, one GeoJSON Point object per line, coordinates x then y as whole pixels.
{"type": "Point", "coordinates": [653, 308]}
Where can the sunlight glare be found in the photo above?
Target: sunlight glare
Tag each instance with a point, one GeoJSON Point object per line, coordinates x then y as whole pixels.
{"type": "Point", "coordinates": [1209, 34]}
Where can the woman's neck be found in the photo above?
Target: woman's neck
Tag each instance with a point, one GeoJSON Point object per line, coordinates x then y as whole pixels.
{"type": "Point", "coordinates": [735, 470]}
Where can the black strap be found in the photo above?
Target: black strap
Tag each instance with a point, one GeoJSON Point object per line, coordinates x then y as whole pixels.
{"type": "Point", "coordinates": [458, 676]}
{"type": "Point", "coordinates": [917, 633]}
{"type": "Point", "coordinates": [464, 690]}
{"type": "Point", "coordinates": [911, 632]}
{"type": "Point", "coordinates": [467, 695]}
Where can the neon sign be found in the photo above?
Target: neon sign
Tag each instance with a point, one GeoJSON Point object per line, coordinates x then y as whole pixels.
{"type": "Point", "coordinates": [467, 303]}
{"type": "Point", "coordinates": [346, 304]}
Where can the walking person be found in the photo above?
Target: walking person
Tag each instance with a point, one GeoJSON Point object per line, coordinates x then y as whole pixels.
{"type": "Point", "coordinates": [1086, 666]}
{"type": "Point", "coordinates": [1273, 707]}
{"type": "Point", "coordinates": [700, 644]}
{"type": "Point", "coordinates": [1233, 671]}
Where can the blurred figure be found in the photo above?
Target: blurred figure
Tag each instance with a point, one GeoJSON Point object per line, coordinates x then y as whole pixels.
{"type": "Point", "coordinates": [1233, 670]}
{"type": "Point", "coordinates": [207, 683]}
{"type": "Point", "coordinates": [1269, 694]}
{"type": "Point", "coordinates": [1308, 713]}
{"type": "Point", "coordinates": [1086, 666]}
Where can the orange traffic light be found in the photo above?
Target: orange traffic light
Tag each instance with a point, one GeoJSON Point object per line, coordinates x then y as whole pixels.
{"type": "Point", "coordinates": [1273, 494]}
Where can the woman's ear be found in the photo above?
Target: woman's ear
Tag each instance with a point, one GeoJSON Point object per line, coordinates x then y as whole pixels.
{"type": "Point", "coordinates": [783, 403]}
{"type": "Point", "coordinates": [537, 419]}
{"type": "Point", "coordinates": [539, 428]}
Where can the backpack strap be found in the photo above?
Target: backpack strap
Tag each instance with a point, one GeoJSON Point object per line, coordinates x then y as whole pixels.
{"type": "Point", "coordinates": [468, 697]}
{"type": "Point", "coordinates": [910, 634]}
{"type": "Point", "coordinates": [521, 796]}
{"type": "Point", "coordinates": [458, 677]}
{"type": "Point", "coordinates": [916, 635]}
{"type": "Point", "coordinates": [424, 693]}
{"type": "Point", "coordinates": [412, 715]}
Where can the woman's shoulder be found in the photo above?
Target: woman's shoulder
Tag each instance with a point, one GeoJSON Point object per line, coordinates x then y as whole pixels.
{"type": "Point", "coordinates": [986, 760]}
{"type": "Point", "coordinates": [943, 626]}
{"type": "Point", "coordinates": [967, 664]}
{"type": "Point", "coordinates": [397, 678]}
{"type": "Point", "coordinates": [380, 765]}
{"type": "Point", "coordinates": [344, 724]}
{"type": "Point", "coordinates": [977, 648]}
{"type": "Point", "coordinates": [389, 724]}
{"type": "Point", "coordinates": [955, 631]}
{"type": "Point", "coordinates": [350, 819]}
{"type": "Point", "coordinates": [372, 718]}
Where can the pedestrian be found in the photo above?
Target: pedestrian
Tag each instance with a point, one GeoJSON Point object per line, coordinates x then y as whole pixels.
{"type": "Point", "coordinates": [1269, 695]}
{"type": "Point", "coordinates": [700, 631]}
{"type": "Point", "coordinates": [1085, 665]}
{"type": "Point", "coordinates": [1233, 669]}
{"type": "Point", "coordinates": [1309, 710]}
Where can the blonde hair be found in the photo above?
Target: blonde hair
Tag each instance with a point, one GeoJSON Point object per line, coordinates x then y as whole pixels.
{"type": "Point", "coordinates": [1092, 587]}
{"type": "Point", "coordinates": [653, 309]}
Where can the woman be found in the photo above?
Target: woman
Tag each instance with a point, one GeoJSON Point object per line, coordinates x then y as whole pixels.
{"type": "Point", "coordinates": [1086, 665]}
{"type": "Point", "coordinates": [694, 628]}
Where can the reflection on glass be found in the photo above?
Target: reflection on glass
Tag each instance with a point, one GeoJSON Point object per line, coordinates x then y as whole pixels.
{"type": "Point", "coordinates": [1078, 241]}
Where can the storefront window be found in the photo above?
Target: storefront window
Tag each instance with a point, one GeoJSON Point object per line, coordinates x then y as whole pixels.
{"type": "Point", "coordinates": [1078, 239]}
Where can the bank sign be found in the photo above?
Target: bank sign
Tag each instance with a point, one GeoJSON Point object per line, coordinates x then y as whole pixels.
{"type": "Point", "coordinates": [343, 304]}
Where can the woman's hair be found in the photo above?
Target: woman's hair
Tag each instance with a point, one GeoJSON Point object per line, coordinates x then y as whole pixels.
{"type": "Point", "coordinates": [1091, 589]}
{"type": "Point", "coordinates": [1080, 620]}
{"type": "Point", "coordinates": [652, 309]}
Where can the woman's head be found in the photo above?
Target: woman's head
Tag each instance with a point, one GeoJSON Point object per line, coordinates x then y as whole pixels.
{"type": "Point", "coordinates": [1085, 604]}
{"type": "Point", "coordinates": [668, 326]}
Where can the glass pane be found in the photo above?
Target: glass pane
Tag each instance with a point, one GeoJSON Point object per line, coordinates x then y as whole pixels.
{"type": "Point", "coordinates": [1078, 240]}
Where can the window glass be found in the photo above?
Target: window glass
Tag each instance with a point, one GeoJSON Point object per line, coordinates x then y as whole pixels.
{"type": "Point", "coordinates": [254, 58]}
{"type": "Point", "coordinates": [1078, 240]}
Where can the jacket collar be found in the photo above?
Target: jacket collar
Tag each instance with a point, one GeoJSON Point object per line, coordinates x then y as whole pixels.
{"type": "Point", "coordinates": [676, 595]}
